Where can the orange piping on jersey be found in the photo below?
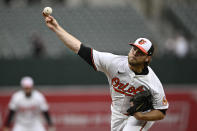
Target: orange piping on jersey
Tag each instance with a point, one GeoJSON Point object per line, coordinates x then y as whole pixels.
{"type": "Point", "coordinates": [93, 60]}
{"type": "Point", "coordinates": [143, 126]}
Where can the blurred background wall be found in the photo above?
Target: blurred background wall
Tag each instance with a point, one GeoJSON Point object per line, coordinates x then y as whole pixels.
{"type": "Point", "coordinates": [28, 47]}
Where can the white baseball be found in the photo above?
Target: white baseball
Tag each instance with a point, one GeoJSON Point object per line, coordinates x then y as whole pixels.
{"type": "Point", "coordinates": [47, 10]}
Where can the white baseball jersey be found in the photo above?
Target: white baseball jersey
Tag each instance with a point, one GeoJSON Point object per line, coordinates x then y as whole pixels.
{"type": "Point", "coordinates": [124, 83]}
{"type": "Point", "coordinates": [28, 110]}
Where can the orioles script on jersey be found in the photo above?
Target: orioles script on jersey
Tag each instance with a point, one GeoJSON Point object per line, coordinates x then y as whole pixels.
{"type": "Point", "coordinates": [125, 88]}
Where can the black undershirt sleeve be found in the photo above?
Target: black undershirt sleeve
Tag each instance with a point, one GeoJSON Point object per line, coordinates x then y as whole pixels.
{"type": "Point", "coordinates": [86, 54]}
{"type": "Point", "coordinates": [47, 117]}
{"type": "Point", "coordinates": [9, 118]}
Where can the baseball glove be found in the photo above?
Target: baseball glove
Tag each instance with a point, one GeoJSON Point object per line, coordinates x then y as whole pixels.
{"type": "Point", "coordinates": [140, 102]}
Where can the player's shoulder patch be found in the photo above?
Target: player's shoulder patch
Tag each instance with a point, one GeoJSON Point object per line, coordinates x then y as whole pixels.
{"type": "Point", "coordinates": [164, 101]}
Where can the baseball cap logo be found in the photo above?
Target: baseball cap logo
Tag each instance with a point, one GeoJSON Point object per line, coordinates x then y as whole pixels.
{"type": "Point", "coordinates": [142, 41]}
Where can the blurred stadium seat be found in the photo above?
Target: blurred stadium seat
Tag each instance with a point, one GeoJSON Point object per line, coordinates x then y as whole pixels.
{"type": "Point", "coordinates": [103, 28]}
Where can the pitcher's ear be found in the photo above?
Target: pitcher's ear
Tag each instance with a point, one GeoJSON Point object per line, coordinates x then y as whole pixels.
{"type": "Point", "coordinates": [148, 59]}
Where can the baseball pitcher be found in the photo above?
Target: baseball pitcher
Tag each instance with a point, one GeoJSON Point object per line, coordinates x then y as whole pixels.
{"type": "Point", "coordinates": [138, 98]}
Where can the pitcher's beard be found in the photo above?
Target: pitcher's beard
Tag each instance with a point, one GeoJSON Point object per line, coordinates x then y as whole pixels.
{"type": "Point", "coordinates": [28, 95]}
{"type": "Point", "coordinates": [135, 64]}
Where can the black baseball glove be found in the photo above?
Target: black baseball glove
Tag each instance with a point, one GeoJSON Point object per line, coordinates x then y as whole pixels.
{"type": "Point", "coordinates": [140, 102]}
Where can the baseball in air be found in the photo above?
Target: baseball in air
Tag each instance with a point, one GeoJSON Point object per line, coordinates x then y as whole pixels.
{"type": "Point", "coordinates": [47, 10]}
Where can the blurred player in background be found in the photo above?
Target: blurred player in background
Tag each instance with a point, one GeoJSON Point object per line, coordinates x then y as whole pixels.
{"type": "Point", "coordinates": [127, 75]}
{"type": "Point", "coordinates": [27, 104]}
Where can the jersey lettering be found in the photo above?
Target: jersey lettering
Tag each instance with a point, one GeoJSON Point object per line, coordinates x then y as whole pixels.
{"type": "Point", "coordinates": [31, 108]}
{"type": "Point", "coordinates": [124, 88]}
